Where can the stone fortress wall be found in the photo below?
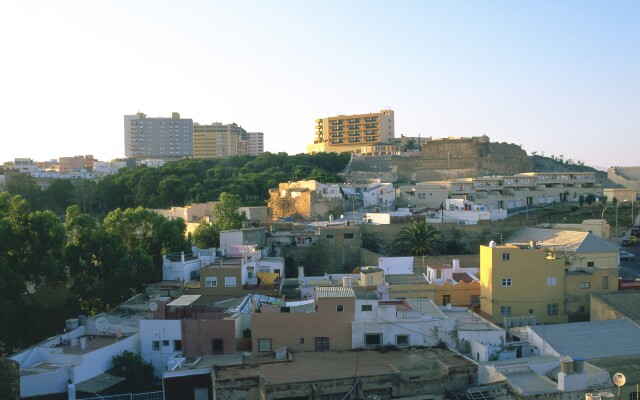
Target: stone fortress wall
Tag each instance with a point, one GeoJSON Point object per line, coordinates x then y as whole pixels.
{"type": "Point", "coordinates": [444, 159]}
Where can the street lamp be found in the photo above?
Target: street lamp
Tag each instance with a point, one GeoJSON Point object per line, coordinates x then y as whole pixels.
{"type": "Point", "coordinates": [618, 205]}
{"type": "Point", "coordinates": [602, 220]}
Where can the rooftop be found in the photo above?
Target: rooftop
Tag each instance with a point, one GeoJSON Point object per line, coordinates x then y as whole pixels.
{"type": "Point", "coordinates": [594, 339]}
{"type": "Point", "coordinates": [413, 279]}
{"type": "Point", "coordinates": [561, 240]}
{"type": "Point", "coordinates": [325, 292]}
{"type": "Point", "coordinates": [626, 303]}
{"type": "Point", "coordinates": [315, 366]}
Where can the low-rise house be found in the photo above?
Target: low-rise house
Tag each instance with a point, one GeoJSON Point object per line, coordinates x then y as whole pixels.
{"type": "Point", "coordinates": [326, 326]}
{"type": "Point", "coordinates": [546, 274]}
{"type": "Point", "coordinates": [540, 378]}
{"type": "Point", "coordinates": [186, 328]}
{"type": "Point", "coordinates": [607, 306]}
{"type": "Point", "coordinates": [75, 360]}
{"type": "Point", "coordinates": [611, 344]}
{"type": "Point", "coordinates": [185, 268]}
{"type": "Point", "coordinates": [417, 373]}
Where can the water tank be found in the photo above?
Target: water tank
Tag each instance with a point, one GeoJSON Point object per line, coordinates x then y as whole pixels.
{"type": "Point", "coordinates": [492, 244]}
{"type": "Point", "coordinates": [83, 343]}
{"type": "Point", "coordinates": [524, 321]}
{"type": "Point", "coordinates": [566, 365]}
{"type": "Point", "coordinates": [578, 365]}
{"type": "Point", "coordinates": [507, 322]}
{"type": "Point", "coordinates": [82, 320]}
{"type": "Point", "coordinates": [346, 281]}
{"type": "Point", "coordinates": [72, 323]}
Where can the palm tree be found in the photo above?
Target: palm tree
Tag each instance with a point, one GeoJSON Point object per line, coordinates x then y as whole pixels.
{"type": "Point", "coordinates": [417, 239]}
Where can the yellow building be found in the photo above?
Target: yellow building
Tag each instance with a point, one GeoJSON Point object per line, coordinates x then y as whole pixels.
{"type": "Point", "coordinates": [545, 273]}
{"type": "Point", "coordinates": [354, 133]}
{"type": "Point", "coordinates": [521, 282]}
{"type": "Point", "coordinates": [219, 140]}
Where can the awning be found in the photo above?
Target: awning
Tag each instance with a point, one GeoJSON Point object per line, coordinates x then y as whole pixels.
{"type": "Point", "coordinates": [99, 383]}
{"type": "Point", "coordinates": [185, 300]}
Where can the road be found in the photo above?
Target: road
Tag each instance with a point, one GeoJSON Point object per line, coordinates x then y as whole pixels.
{"type": "Point", "coordinates": [630, 269]}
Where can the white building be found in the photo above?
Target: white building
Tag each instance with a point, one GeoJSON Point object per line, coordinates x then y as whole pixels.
{"type": "Point", "coordinates": [381, 195]}
{"type": "Point", "coordinates": [160, 341]}
{"type": "Point", "coordinates": [73, 360]}
{"type": "Point", "coordinates": [186, 267]}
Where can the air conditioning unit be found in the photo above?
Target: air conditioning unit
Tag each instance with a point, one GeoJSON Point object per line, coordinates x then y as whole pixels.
{"type": "Point", "coordinates": [507, 322]}
{"type": "Point", "coordinates": [515, 322]}
{"type": "Point", "coordinates": [524, 321]}
{"type": "Point", "coordinates": [532, 320]}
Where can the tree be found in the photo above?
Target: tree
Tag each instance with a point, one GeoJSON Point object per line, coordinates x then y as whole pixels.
{"type": "Point", "coordinates": [417, 239]}
{"type": "Point", "coordinates": [206, 236]}
{"type": "Point", "coordinates": [132, 366]}
{"type": "Point", "coordinates": [226, 214]}
{"type": "Point", "coordinates": [581, 200]}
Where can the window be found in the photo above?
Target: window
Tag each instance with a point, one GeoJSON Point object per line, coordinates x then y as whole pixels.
{"type": "Point", "coordinates": [506, 282]}
{"type": "Point", "coordinates": [155, 345]}
{"type": "Point", "coordinates": [366, 307]}
{"type": "Point", "coordinates": [211, 281]}
{"type": "Point", "coordinates": [329, 237]}
{"type": "Point", "coordinates": [348, 235]}
{"type": "Point", "coordinates": [605, 282]}
{"type": "Point", "coordinates": [177, 345]}
{"type": "Point", "coordinates": [585, 285]}
{"type": "Point", "coordinates": [475, 300]}
{"type": "Point", "coordinates": [193, 276]}
{"type": "Point", "coordinates": [250, 273]}
{"type": "Point", "coordinates": [339, 308]}
{"type": "Point", "coordinates": [551, 281]}
{"type": "Point", "coordinates": [505, 310]}
{"type": "Point", "coordinates": [591, 264]}
{"type": "Point", "coordinates": [264, 345]}
{"type": "Point", "coordinates": [372, 339]}
{"type": "Point", "coordinates": [217, 346]}
{"type": "Point", "coordinates": [438, 274]}
{"type": "Point", "coordinates": [322, 343]}
{"type": "Point", "coordinates": [505, 256]}
{"type": "Point", "coordinates": [446, 299]}
{"type": "Point", "coordinates": [301, 340]}
{"type": "Point", "coordinates": [402, 340]}
{"type": "Point", "coordinates": [165, 343]}
{"type": "Point", "coordinates": [229, 281]}
{"type": "Point", "coordinates": [552, 309]}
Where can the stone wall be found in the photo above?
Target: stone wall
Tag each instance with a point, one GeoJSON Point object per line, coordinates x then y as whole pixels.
{"type": "Point", "coordinates": [442, 160]}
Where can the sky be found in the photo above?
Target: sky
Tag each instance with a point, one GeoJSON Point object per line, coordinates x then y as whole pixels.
{"type": "Point", "coordinates": [558, 78]}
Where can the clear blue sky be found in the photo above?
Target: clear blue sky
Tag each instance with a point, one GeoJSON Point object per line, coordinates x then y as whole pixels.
{"type": "Point", "coordinates": [559, 77]}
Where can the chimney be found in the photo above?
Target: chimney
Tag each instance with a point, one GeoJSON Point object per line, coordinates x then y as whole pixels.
{"type": "Point", "coordinates": [346, 281]}
{"type": "Point", "coordinates": [300, 273]}
{"type": "Point", "coordinates": [182, 257]}
{"type": "Point", "coordinates": [456, 266]}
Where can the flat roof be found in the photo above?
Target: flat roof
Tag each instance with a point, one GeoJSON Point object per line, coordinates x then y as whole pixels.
{"type": "Point", "coordinates": [396, 279]}
{"type": "Point", "coordinates": [594, 339]}
{"type": "Point", "coordinates": [316, 366]}
{"type": "Point", "coordinates": [184, 300]}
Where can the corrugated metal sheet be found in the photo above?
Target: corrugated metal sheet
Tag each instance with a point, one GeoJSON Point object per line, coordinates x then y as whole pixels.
{"type": "Point", "coordinates": [325, 292]}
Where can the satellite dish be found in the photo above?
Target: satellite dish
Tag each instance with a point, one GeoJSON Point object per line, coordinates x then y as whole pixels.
{"type": "Point", "coordinates": [102, 324]}
{"type": "Point", "coordinates": [619, 379]}
{"type": "Point", "coordinates": [153, 306]}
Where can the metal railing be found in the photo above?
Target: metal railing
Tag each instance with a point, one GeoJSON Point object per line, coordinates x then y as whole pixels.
{"type": "Point", "coordinates": [131, 396]}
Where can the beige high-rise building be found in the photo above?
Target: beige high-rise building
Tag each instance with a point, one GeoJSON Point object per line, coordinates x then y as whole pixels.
{"type": "Point", "coordinates": [215, 140]}
{"type": "Point", "coordinates": [352, 133]}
